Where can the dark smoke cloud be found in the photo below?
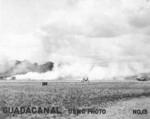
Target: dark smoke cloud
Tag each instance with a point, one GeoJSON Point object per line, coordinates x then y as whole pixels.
{"type": "Point", "coordinates": [23, 67]}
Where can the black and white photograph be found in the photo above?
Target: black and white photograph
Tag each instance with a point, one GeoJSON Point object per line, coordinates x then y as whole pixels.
{"type": "Point", "coordinates": [74, 59]}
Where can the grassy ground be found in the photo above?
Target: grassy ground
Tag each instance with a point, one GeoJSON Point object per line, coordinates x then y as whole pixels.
{"type": "Point", "coordinates": [118, 98]}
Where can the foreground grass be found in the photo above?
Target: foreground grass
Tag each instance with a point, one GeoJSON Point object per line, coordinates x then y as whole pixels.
{"type": "Point", "coordinates": [69, 95]}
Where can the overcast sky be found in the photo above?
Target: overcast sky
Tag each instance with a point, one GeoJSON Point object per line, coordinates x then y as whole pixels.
{"type": "Point", "coordinates": [20, 20]}
{"type": "Point", "coordinates": [100, 30]}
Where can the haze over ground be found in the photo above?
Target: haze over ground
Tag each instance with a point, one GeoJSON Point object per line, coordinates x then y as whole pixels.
{"type": "Point", "coordinates": [98, 38]}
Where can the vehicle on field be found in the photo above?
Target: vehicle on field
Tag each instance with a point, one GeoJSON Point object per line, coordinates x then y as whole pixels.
{"type": "Point", "coordinates": [85, 79]}
{"type": "Point", "coordinates": [143, 77]}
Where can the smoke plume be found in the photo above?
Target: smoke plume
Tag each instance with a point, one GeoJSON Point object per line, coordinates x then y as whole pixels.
{"type": "Point", "coordinates": [111, 38]}
{"type": "Point", "coordinates": [100, 39]}
{"type": "Point", "coordinates": [16, 67]}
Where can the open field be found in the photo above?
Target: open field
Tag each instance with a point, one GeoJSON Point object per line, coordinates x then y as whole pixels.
{"type": "Point", "coordinates": [118, 98]}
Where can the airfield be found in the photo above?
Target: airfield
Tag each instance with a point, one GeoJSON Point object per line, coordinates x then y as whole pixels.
{"type": "Point", "coordinates": [119, 98]}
